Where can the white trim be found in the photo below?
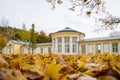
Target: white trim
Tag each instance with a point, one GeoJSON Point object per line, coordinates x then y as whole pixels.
{"type": "Point", "coordinates": [94, 49]}
{"type": "Point", "coordinates": [71, 47]}
{"type": "Point", "coordinates": [80, 49]}
{"type": "Point", "coordinates": [86, 48]}
{"type": "Point", "coordinates": [77, 44]}
{"type": "Point", "coordinates": [119, 48]}
{"type": "Point", "coordinates": [56, 45]}
{"type": "Point", "coordinates": [63, 45]}
{"type": "Point", "coordinates": [110, 48]}
{"type": "Point", "coordinates": [101, 48]}
{"type": "Point", "coordinates": [52, 49]}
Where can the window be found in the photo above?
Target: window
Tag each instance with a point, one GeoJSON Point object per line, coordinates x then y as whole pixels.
{"type": "Point", "coordinates": [74, 48]}
{"type": "Point", "coordinates": [53, 45]}
{"type": "Point", "coordinates": [67, 50]}
{"type": "Point", "coordinates": [41, 50]}
{"type": "Point", "coordinates": [115, 47]}
{"type": "Point", "coordinates": [106, 48]}
{"type": "Point", "coordinates": [90, 49]}
{"type": "Point", "coordinates": [98, 48]}
{"type": "Point", "coordinates": [67, 46]}
{"type": "Point", "coordinates": [83, 49]}
{"type": "Point", "coordinates": [49, 50]}
{"type": "Point", "coordinates": [59, 40]}
{"type": "Point", "coordinates": [59, 48]}
{"type": "Point", "coordinates": [74, 39]}
{"type": "Point", "coordinates": [74, 44]}
{"type": "Point", "coordinates": [67, 40]}
{"type": "Point", "coordinates": [10, 50]}
{"type": "Point", "coordinates": [59, 45]}
{"type": "Point", "coordinates": [53, 40]}
{"type": "Point", "coordinates": [10, 44]}
{"type": "Point", "coordinates": [37, 50]}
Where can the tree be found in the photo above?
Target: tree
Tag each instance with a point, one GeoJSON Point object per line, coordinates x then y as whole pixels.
{"type": "Point", "coordinates": [42, 37]}
{"type": "Point", "coordinates": [32, 38]}
{"type": "Point", "coordinates": [3, 41]}
{"type": "Point", "coordinates": [115, 34]}
{"type": "Point", "coordinates": [91, 7]}
{"type": "Point", "coordinates": [23, 26]}
{"type": "Point", "coordinates": [87, 6]}
{"type": "Point", "coordinates": [109, 22]}
{"type": "Point", "coordinates": [24, 34]}
{"type": "Point", "coordinates": [4, 22]}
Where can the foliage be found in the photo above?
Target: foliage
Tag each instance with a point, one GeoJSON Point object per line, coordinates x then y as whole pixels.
{"type": "Point", "coordinates": [32, 38]}
{"type": "Point", "coordinates": [7, 33]}
{"type": "Point", "coordinates": [3, 41]}
{"type": "Point", "coordinates": [59, 67]}
{"type": "Point", "coordinates": [52, 71]}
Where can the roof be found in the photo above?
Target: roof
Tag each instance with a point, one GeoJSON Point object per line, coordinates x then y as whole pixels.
{"type": "Point", "coordinates": [18, 42]}
{"type": "Point", "coordinates": [67, 29]}
{"type": "Point", "coordinates": [44, 44]}
{"type": "Point", "coordinates": [101, 39]}
{"type": "Point", "coordinates": [27, 43]}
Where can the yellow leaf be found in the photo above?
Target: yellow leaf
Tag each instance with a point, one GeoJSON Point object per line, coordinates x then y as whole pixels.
{"type": "Point", "coordinates": [63, 77]}
{"type": "Point", "coordinates": [80, 64]}
{"type": "Point", "coordinates": [52, 71]}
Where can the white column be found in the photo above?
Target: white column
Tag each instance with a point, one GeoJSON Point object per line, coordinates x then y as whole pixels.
{"type": "Point", "coordinates": [56, 45]}
{"type": "Point", "coordinates": [63, 45]}
{"type": "Point", "coordinates": [80, 50]}
{"type": "Point", "coordinates": [86, 48]}
{"type": "Point", "coordinates": [77, 44]}
{"type": "Point", "coordinates": [52, 46]}
{"type": "Point", "coordinates": [110, 48]}
{"type": "Point", "coordinates": [39, 50]}
{"type": "Point", "coordinates": [43, 50]}
{"type": "Point", "coordinates": [71, 47]}
{"type": "Point", "coordinates": [94, 49]}
{"type": "Point", "coordinates": [119, 48]}
{"type": "Point", "coordinates": [8, 50]}
{"type": "Point", "coordinates": [101, 48]}
{"type": "Point", "coordinates": [46, 50]}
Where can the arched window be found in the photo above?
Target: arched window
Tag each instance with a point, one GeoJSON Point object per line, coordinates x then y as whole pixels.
{"type": "Point", "coordinates": [10, 44]}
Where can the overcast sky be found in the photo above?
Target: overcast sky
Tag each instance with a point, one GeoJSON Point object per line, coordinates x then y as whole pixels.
{"type": "Point", "coordinates": [39, 12]}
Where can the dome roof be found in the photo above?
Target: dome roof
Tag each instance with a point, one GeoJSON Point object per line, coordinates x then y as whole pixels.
{"type": "Point", "coordinates": [67, 29]}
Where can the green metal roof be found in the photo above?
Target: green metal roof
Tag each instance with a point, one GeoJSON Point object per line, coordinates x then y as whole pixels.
{"type": "Point", "coordinates": [100, 39]}
{"type": "Point", "coordinates": [27, 43]}
{"type": "Point", "coordinates": [67, 29]}
{"type": "Point", "coordinates": [44, 44]}
{"type": "Point", "coordinates": [18, 42]}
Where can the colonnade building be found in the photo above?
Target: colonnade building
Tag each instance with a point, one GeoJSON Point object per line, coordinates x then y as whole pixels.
{"type": "Point", "coordinates": [67, 41]}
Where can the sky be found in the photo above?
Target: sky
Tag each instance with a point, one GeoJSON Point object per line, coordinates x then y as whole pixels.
{"type": "Point", "coordinates": [39, 12]}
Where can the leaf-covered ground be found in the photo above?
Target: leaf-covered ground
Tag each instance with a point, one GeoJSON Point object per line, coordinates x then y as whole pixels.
{"type": "Point", "coordinates": [59, 67]}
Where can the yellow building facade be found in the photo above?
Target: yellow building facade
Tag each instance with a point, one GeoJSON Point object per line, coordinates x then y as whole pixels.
{"type": "Point", "coordinates": [67, 41]}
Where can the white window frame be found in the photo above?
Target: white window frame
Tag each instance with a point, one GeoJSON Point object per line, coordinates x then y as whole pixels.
{"type": "Point", "coordinates": [114, 47]}
{"type": "Point", "coordinates": [98, 48]}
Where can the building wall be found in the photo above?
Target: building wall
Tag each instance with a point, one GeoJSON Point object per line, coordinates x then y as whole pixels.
{"type": "Point", "coordinates": [105, 47]}
{"type": "Point", "coordinates": [89, 47]}
{"type": "Point", "coordinates": [37, 50]}
{"type": "Point", "coordinates": [70, 44]}
{"type": "Point", "coordinates": [12, 48]}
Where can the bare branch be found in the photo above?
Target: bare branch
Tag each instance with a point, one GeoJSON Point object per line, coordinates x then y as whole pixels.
{"type": "Point", "coordinates": [108, 23]}
{"type": "Point", "coordinates": [92, 6]}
